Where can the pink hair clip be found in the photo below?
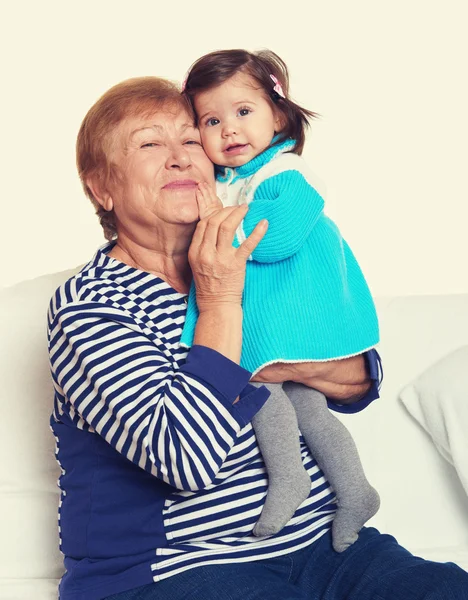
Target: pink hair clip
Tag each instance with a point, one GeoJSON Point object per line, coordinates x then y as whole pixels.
{"type": "Point", "coordinates": [278, 87]}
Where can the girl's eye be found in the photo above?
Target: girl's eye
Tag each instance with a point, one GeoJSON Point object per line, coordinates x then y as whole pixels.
{"type": "Point", "coordinates": [243, 112]}
{"type": "Point", "coordinates": [211, 122]}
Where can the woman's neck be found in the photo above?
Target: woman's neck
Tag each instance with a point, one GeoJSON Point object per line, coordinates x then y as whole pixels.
{"type": "Point", "coordinates": [169, 261]}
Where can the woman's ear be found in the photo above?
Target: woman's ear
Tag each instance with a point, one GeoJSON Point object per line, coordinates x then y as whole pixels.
{"type": "Point", "coordinates": [100, 193]}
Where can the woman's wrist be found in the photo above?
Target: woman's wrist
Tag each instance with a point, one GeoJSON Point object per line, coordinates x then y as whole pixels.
{"type": "Point", "coordinates": [218, 304]}
{"type": "Point", "coordinates": [219, 327]}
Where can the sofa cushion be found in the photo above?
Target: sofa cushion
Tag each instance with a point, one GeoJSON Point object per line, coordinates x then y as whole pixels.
{"type": "Point", "coordinates": [423, 502]}
{"type": "Point", "coordinates": [29, 555]}
{"type": "Point", "coordinates": [438, 401]}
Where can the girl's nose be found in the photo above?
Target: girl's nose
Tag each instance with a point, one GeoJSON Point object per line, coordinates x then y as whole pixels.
{"type": "Point", "coordinates": [229, 129]}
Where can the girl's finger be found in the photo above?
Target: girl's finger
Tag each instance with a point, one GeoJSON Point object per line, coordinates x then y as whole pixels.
{"type": "Point", "coordinates": [209, 202]}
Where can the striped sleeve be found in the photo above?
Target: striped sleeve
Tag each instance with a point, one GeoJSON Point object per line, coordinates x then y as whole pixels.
{"type": "Point", "coordinates": [178, 424]}
{"type": "Point", "coordinates": [291, 206]}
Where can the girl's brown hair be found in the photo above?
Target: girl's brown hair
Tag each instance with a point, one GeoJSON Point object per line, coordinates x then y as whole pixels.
{"type": "Point", "coordinates": [215, 68]}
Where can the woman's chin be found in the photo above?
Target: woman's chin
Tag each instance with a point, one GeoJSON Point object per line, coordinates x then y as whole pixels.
{"type": "Point", "coordinates": [182, 208]}
{"type": "Point", "coordinates": [187, 213]}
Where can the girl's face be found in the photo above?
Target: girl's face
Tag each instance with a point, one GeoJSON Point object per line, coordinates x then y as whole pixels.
{"type": "Point", "coordinates": [236, 120]}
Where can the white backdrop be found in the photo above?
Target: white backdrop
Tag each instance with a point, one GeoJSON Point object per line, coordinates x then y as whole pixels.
{"type": "Point", "coordinates": [388, 78]}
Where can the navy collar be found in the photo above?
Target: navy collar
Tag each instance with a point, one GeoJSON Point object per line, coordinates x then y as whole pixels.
{"type": "Point", "coordinates": [224, 174]}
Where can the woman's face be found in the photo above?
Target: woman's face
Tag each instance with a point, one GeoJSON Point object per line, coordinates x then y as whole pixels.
{"type": "Point", "coordinates": [160, 162]}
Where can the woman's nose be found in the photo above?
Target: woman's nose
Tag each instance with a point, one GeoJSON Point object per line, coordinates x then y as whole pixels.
{"type": "Point", "coordinates": [178, 158]}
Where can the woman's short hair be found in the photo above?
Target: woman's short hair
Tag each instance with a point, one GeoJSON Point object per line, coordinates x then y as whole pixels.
{"type": "Point", "coordinates": [135, 97]}
{"type": "Point", "coordinates": [262, 66]}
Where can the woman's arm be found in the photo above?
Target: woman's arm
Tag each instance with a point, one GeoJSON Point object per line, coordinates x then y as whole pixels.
{"type": "Point", "coordinates": [178, 425]}
{"type": "Point", "coordinates": [219, 272]}
{"type": "Point", "coordinates": [114, 376]}
{"type": "Point", "coordinates": [345, 382]}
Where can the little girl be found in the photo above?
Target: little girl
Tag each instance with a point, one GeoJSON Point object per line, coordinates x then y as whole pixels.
{"type": "Point", "coordinates": [305, 298]}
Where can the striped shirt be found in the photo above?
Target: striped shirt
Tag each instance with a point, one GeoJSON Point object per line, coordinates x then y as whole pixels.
{"type": "Point", "coordinates": [161, 471]}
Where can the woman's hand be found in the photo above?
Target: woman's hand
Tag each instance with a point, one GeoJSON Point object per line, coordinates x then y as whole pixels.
{"type": "Point", "coordinates": [345, 380]}
{"type": "Point", "coordinates": [218, 268]}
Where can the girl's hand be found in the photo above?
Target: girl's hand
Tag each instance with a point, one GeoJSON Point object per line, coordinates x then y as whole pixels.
{"type": "Point", "coordinates": [218, 268]}
{"type": "Point", "coordinates": [208, 201]}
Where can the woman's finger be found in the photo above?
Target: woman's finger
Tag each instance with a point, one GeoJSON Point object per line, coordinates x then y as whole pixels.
{"type": "Point", "coordinates": [205, 206]}
{"type": "Point", "coordinates": [228, 227]}
{"type": "Point", "coordinates": [249, 245]}
{"type": "Point", "coordinates": [197, 238]}
{"type": "Point", "coordinates": [202, 200]}
{"type": "Point", "coordinates": [213, 223]}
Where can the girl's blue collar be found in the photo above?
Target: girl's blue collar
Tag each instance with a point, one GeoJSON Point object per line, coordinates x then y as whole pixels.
{"type": "Point", "coordinates": [224, 174]}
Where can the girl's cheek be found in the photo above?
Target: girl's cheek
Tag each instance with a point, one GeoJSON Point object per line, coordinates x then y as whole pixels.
{"type": "Point", "coordinates": [205, 140]}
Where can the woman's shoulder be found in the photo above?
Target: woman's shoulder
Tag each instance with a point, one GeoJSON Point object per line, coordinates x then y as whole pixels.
{"type": "Point", "coordinates": [72, 295]}
{"type": "Point", "coordinates": [111, 290]}
{"type": "Point", "coordinates": [89, 286]}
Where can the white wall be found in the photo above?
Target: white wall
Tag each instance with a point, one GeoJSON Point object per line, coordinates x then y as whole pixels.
{"type": "Point", "coordinates": [389, 79]}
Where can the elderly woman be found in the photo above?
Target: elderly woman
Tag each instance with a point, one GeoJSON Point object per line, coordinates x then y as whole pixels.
{"type": "Point", "coordinates": [162, 479]}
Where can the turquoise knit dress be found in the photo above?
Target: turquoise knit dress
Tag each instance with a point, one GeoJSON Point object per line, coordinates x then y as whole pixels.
{"type": "Point", "coordinates": [305, 297]}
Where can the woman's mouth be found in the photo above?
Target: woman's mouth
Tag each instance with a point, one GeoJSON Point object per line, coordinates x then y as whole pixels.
{"type": "Point", "coordinates": [236, 149]}
{"type": "Point", "coordinates": [180, 184]}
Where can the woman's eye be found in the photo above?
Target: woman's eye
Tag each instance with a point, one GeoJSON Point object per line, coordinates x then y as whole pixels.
{"type": "Point", "coordinates": [211, 122]}
{"type": "Point", "coordinates": [193, 142]}
{"type": "Point", "coordinates": [243, 112]}
{"type": "Point", "coordinates": [149, 145]}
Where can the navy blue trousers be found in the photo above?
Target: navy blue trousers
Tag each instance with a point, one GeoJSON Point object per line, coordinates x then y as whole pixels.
{"type": "Point", "coordinates": [375, 567]}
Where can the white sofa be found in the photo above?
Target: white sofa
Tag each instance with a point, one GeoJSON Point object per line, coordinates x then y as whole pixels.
{"type": "Point", "coordinates": [423, 502]}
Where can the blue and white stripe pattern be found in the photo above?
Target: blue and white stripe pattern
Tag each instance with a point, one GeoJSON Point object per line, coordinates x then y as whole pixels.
{"type": "Point", "coordinates": [120, 375]}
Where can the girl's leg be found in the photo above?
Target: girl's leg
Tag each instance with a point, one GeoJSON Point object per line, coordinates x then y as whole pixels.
{"type": "Point", "coordinates": [336, 454]}
{"type": "Point", "coordinates": [289, 484]}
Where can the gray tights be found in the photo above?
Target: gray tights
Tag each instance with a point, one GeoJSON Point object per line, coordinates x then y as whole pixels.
{"type": "Point", "coordinates": [276, 427]}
